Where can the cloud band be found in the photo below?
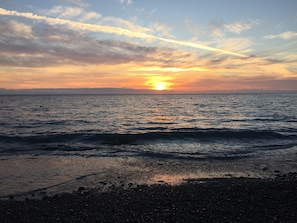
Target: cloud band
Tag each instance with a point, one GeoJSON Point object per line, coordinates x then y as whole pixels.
{"type": "Point", "coordinates": [113, 30]}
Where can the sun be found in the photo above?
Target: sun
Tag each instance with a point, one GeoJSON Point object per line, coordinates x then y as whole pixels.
{"type": "Point", "coordinates": [160, 86]}
{"type": "Point", "coordinates": [159, 83]}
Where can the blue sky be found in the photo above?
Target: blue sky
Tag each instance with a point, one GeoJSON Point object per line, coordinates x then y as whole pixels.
{"type": "Point", "coordinates": [179, 45]}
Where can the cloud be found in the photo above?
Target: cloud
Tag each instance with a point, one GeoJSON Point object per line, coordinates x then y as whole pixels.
{"type": "Point", "coordinates": [113, 30]}
{"type": "Point", "coordinates": [78, 3]}
{"type": "Point", "coordinates": [200, 46]}
{"type": "Point", "coordinates": [64, 12]}
{"type": "Point", "coordinates": [90, 15]}
{"type": "Point", "coordinates": [162, 28]}
{"type": "Point", "coordinates": [15, 29]}
{"type": "Point", "coordinates": [218, 29]}
{"type": "Point", "coordinates": [239, 27]}
{"type": "Point", "coordinates": [235, 44]}
{"type": "Point", "coordinates": [126, 2]}
{"type": "Point", "coordinates": [71, 12]}
{"type": "Point", "coordinates": [260, 82]}
{"type": "Point", "coordinates": [286, 35]}
{"type": "Point", "coordinates": [56, 46]}
{"type": "Point", "coordinates": [192, 27]}
{"type": "Point", "coordinates": [124, 24]}
{"type": "Point", "coordinates": [50, 46]}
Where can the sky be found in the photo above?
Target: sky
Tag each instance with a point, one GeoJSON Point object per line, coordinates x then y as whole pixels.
{"type": "Point", "coordinates": [186, 46]}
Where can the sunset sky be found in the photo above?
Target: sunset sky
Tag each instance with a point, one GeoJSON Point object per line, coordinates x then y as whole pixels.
{"type": "Point", "coordinates": [189, 45]}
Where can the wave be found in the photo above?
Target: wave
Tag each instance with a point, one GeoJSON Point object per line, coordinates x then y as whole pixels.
{"type": "Point", "coordinates": [183, 134]}
{"type": "Point", "coordinates": [282, 119]}
{"type": "Point", "coordinates": [181, 144]}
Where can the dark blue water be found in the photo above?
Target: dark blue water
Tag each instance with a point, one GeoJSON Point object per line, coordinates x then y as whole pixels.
{"type": "Point", "coordinates": [253, 130]}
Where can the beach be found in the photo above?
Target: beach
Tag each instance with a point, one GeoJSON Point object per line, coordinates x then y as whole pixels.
{"type": "Point", "coordinates": [195, 200]}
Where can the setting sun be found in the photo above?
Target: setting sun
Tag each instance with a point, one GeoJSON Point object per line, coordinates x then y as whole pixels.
{"type": "Point", "coordinates": [160, 86]}
{"type": "Point", "coordinates": [159, 83]}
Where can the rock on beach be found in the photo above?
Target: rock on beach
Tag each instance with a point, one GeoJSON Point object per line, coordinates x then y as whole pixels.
{"type": "Point", "coordinates": [196, 200]}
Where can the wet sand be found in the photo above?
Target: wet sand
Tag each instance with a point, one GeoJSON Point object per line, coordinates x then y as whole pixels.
{"type": "Point", "coordinates": [196, 200]}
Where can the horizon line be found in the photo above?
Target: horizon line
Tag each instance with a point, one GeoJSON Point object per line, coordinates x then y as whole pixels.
{"type": "Point", "coordinates": [115, 91]}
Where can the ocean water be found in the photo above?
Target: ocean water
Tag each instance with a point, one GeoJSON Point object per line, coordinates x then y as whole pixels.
{"type": "Point", "coordinates": [56, 143]}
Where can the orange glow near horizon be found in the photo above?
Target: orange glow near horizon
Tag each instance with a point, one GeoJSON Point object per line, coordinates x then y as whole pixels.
{"type": "Point", "coordinates": [159, 83]}
{"type": "Point", "coordinates": [140, 76]}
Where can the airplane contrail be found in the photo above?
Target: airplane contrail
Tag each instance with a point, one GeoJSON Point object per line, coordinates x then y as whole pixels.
{"type": "Point", "coordinates": [113, 30]}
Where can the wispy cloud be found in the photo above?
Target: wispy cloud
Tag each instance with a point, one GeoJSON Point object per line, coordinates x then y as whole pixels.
{"type": "Point", "coordinates": [192, 27]}
{"type": "Point", "coordinates": [162, 29]}
{"type": "Point", "coordinates": [65, 12]}
{"type": "Point", "coordinates": [239, 27]}
{"type": "Point", "coordinates": [80, 3]}
{"type": "Point", "coordinates": [286, 35]}
{"type": "Point", "coordinates": [239, 44]}
{"type": "Point", "coordinates": [90, 15]}
{"type": "Point", "coordinates": [117, 22]}
{"type": "Point", "coordinates": [218, 29]}
{"type": "Point", "coordinates": [126, 2]}
{"type": "Point", "coordinates": [71, 12]}
{"type": "Point", "coordinates": [113, 30]}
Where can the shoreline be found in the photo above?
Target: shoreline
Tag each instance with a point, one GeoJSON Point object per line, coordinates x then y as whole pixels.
{"type": "Point", "coordinates": [196, 200]}
{"type": "Point", "coordinates": [36, 177]}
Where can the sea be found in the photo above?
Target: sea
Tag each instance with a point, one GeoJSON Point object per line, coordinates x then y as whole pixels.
{"type": "Point", "coordinates": [53, 144]}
